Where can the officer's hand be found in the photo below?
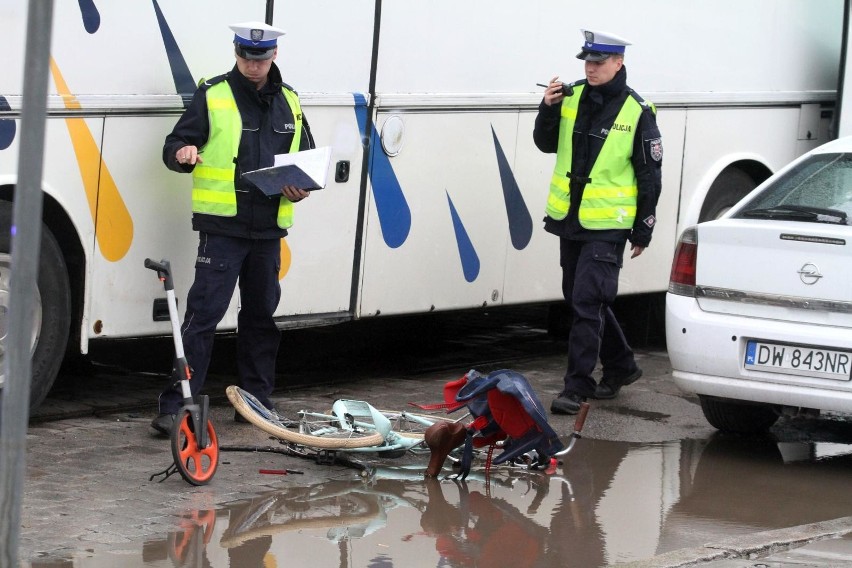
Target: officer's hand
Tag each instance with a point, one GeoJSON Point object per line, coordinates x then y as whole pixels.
{"type": "Point", "coordinates": [637, 250]}
{"type": "Point", "coordinates": [293, 193]}
{"type": "Point", "coordinates": [188, 155]}
{"type": "Point", "coordinates": [553, 94]}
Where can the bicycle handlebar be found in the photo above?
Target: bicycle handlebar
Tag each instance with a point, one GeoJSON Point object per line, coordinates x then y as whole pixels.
{"type": "Point", "coordinates": [580, 421]}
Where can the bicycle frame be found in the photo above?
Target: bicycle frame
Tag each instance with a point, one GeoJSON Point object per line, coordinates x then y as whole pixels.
{"type": "Point", "coordinates": [356, 427]}
{"type": "Point", "coordinates": [345, 413]}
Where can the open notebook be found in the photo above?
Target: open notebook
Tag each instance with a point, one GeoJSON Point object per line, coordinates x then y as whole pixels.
{"type": "Point", "coordinates": [307, 170]}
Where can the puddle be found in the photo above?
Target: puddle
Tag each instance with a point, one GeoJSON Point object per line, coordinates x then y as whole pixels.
{"type": "Point", "coordinates": [609, 502]}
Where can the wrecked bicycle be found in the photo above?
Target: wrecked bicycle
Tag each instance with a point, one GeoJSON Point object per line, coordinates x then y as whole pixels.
{"type": "Point", "coordinates": [357, 427]}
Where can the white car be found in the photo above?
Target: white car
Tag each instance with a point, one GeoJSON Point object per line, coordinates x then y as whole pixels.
{"type": "Point", "coordinates": [759, 307]}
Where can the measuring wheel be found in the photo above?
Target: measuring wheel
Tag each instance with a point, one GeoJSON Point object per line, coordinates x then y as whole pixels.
{"type": "Point", "coordinates": [196, 465]}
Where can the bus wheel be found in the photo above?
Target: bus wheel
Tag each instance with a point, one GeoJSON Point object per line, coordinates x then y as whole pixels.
{"type": "Point", "coordinates": [731, 186]}
{"type": "Point", "coordinates": [51, 310]}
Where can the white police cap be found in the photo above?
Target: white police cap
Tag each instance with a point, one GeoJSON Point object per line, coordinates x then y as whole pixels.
{"type": "Point", "coordinates": [255, 40]}
{"type": "Point", "coordinates": [599, 46]}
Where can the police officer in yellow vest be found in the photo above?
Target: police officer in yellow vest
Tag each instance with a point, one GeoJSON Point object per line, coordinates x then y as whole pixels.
{"type": "Point", "coordinates": [603, 193]}
{"type": "Point", "coordinates": [236, 122]}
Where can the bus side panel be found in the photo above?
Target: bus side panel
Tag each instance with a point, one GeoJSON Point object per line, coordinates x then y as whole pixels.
{"type": "Point", "coordinates": [61, 176]}
{"type": "Point", "coordinates": [69, 177]}
{"type": "Point", "coordinates": [718, 137]}
{"type": "Point", "coordinates": [532, 269]}
{"type": "Point", "coordinates": [503, 46]}
{"type": "Point", "coordinates": [322, 239]}
{"type": "Point", "coordinates": [437, 228]}
{"type": "Point", "coordinates": [317, 256]}
{"type": "Point", "coordinates": [328, 45]}
{"type": "Point", "coordinates": [144, 211]}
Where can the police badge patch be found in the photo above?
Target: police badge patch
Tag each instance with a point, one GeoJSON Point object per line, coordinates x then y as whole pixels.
{"type": "Point", "coordinates": [650, 221]}
{"type": "Point", "coordinates": [656, 148]}
{"type": "Point", "coordinates": [256, 34]}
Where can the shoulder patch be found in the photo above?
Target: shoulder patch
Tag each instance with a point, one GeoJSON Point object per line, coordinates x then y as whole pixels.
{"type": "Point", "coordinates": [655, 148]}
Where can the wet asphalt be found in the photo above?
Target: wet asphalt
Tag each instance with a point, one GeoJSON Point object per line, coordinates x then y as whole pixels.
{"type": "Point", "coordinates": [92, 497]}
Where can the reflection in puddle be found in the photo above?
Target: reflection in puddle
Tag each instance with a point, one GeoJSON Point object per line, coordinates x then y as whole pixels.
{"type": "Point", "coordinates": [610, 502]}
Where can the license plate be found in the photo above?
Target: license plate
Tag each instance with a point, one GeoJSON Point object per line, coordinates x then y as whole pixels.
{"type": "Point", "coordinates": [799, 360]}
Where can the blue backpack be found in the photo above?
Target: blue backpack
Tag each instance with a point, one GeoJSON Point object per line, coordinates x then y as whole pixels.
{"type": "Point", "coordinates": [505, 408]}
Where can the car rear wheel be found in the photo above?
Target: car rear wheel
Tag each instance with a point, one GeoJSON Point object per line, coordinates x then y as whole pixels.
{"type": "Point", "coordinates": [737, 416]}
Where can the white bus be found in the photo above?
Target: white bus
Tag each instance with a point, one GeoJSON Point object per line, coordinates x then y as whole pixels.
{"type": "Point", "coordinates": [438, 190]}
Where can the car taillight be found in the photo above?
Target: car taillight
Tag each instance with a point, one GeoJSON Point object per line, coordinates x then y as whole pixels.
{"type": "Point", "coordinates": [682, 279]}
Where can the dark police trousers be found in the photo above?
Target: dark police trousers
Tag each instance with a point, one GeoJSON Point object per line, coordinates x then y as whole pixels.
{"type": "Point", "coordinates": [589, 284]}
{"type": "Point", "coordinates": [220, 263]}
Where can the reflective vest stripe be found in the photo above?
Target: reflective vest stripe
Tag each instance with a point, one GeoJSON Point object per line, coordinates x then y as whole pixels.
{"type": "Point", "coordinates": [609, 199]}
{"type": "Point", "coordinates": [610, 192]}
{"type": "Point", "coordinates": [210, 173]}
{"type": "Point", "coordinates": [221, 104]}
{"type": "Point", "coordinates": [213, 191]}
{"type": "Point", "coordinates": [213, 196]}
{"type": "Point", "coordinates": [569, 112]}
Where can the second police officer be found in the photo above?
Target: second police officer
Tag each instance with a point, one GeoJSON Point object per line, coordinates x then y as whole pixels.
{"type": "Point", "coordinates": [603, 193]}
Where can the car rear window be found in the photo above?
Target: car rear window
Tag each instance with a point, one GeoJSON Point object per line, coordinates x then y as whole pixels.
{"type": "Point", "coordinates": [820, 186]}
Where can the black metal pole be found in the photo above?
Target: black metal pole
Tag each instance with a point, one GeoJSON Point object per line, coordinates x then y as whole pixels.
{"type": "Point", "coordinates": [26, 244]}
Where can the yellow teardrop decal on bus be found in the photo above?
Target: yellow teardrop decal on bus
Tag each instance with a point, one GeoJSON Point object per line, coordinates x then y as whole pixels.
{"type": "Point", "coordinates": [286, 259]}
{"type": "Point", "coordinates": [113, 224]}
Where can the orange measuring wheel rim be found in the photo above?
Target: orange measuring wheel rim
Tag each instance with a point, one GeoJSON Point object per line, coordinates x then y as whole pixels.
{"type": "Point", "coordinates": [196, 465]}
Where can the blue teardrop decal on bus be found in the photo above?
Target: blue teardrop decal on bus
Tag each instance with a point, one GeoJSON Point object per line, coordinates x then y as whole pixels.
{"type": "Point", "coordinates": [184, 83]}
{"type": "Point", "coordinates": [520, 220]}
{"type": "Point", "coordinates": [467, 254]}
{"type": "Point", "coordinates": [7, 126]}
{"type": "Point", "coordinates": [391, 207]}
{"type": "Point", "coordinates": [91, 15]}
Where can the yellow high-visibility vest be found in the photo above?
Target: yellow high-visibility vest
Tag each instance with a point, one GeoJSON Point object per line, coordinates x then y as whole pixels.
{"type": "Point", "coordinates": [609, 199]}
{"type": "Point", "coordinates": [213, 190]}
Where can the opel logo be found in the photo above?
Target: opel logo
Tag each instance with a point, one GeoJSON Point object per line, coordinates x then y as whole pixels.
{"type": "Point", "coordinates": [809, 273]}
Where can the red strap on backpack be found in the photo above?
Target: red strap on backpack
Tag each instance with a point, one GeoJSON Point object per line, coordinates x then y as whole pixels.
{"type": "Point", "coordinates": [450, 403]}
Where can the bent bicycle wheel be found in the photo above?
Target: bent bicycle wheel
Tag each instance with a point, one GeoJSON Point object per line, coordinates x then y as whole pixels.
{"type": "Point", "coordinates": [196, 465]}
{"type": "Point", "coordinates": [315, 430]}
